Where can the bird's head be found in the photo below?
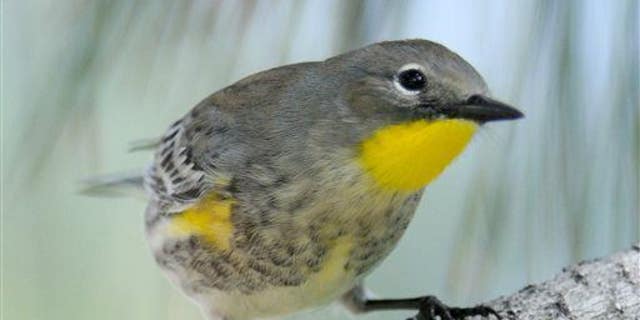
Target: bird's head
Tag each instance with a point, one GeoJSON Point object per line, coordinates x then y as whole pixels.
{"type": "Point", "coordinates": [416, 104]}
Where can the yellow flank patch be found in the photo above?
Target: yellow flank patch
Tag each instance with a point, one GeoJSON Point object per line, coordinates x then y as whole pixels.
{"type": "Point", "coordinates": [407, 157]}
{"type": "Point", "coordinates": [210, 220]}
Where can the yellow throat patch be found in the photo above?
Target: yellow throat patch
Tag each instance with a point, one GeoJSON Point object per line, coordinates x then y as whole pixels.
{"type": "Point", "coordinates": [210, 220]}
{"type": "Point", "coordinates": [407, 157]}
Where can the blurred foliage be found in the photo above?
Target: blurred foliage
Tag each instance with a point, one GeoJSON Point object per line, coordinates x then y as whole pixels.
{"type": "Point", "coordinates": [82, 79]}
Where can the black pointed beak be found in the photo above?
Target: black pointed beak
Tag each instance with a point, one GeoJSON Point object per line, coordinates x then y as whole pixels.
{"type": "Point", "coordinates": [482, 109]}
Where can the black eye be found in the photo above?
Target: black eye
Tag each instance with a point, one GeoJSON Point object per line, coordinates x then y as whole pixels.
{"type": "Point", "coordinates": [412, 79]}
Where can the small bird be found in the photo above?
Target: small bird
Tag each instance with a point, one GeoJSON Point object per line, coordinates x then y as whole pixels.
{"type": "Point", "coordinates": [284, 190]}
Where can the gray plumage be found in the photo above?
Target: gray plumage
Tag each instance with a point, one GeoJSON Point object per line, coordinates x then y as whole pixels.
{"type": "Point", "coordinates": [289, 116]}
{"type": "Point", "coordinates": [281, 145]}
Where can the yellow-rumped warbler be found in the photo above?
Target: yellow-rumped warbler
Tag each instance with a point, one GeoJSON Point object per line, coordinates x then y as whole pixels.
{"type": "Point", "coordinates": [284, 190]}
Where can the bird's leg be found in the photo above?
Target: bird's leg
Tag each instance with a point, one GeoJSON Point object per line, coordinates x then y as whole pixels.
{"type": "Point", "coordinates": [429, 307]}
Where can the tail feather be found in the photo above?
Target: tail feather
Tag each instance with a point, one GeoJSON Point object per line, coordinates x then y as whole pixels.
{"type": "Point", "coordinates": [116, 185]}
{"type": "Point", "coordinates": [144, 144]}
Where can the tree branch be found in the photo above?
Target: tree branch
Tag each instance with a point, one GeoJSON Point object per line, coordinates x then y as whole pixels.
{"type": "Point", "coordinates": [606, 288]}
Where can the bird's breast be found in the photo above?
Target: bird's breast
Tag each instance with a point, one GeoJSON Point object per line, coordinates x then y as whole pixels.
{"type": "Point", "coordinates": [274, 261]}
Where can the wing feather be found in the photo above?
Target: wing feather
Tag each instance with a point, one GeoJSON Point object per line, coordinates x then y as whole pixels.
{"type": "Point", "coordinates": [175, 180]}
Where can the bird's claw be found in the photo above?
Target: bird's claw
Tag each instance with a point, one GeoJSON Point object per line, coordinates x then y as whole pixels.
{"type": "Point", "coordinates": [431, 307]}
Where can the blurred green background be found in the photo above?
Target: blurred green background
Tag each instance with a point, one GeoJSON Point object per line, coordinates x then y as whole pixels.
{"type": "Point", "coordinates": [82, 79]}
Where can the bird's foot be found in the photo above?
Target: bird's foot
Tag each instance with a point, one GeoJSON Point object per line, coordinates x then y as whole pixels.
{"type": "Point", "coordinates": [431, 308]}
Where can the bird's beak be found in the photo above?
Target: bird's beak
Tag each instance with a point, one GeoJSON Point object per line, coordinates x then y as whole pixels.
{"type": "Point", "coordinates": [483, 109]}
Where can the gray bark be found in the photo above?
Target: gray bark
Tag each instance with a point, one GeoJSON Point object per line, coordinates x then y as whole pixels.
{"type": "Point", "coordinates": [606, 288]}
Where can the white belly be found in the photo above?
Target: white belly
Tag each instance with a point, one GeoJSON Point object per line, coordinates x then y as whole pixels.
{"type": "Point", "coordinates": [320, 289]}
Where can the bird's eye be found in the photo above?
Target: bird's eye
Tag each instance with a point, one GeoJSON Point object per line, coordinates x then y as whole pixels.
{"type": "Point", "coordinates": [412, 79]}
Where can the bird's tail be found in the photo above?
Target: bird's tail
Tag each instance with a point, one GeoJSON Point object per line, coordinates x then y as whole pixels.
{"type": "Point", "coordinates": [115, 185]}
{"type": "Point", "coordinates": [123, 184]}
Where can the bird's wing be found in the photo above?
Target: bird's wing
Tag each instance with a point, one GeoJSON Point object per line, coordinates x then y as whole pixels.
{"type": "Point", "coordinates": [198, 152]}
{"type": "Point", "coordinates": [180, 173]}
